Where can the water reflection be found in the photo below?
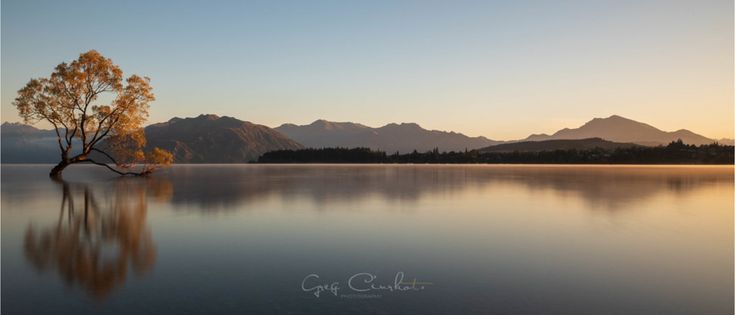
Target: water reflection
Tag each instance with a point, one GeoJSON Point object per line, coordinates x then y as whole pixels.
{"type": "Point", "coordinates": [494, 239]}
{"type": "Point", "coordinates": [607, 188]}
{"type": "Point", "coordinates": [211, 188]}
{"type": "Point", "coordinates": [100, 234]}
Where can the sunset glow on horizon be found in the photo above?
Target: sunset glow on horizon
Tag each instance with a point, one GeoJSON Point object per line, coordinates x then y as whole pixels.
{"type": "Point", "coordinates": [502, 70]}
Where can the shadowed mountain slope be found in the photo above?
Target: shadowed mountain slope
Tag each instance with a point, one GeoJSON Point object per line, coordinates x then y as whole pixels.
{"type": "Point", "coordinates": [214, 139]}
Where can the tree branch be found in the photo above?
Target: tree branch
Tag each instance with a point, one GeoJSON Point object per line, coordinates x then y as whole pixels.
{"type": "Point", "coordinates": [112, 123]}
{"type": "Point", "coordinates": [107, 155]}
{"type": "Point", "coordinates": [112, 169]}
{"type": "Point", "coordinates": [99, 127]}
{"type": "Point", "coordinates": [58, 135]}
{"type": "Point", "coordinates": [71, 96]}
{"type": "Point", "coordinates": [56, 130]}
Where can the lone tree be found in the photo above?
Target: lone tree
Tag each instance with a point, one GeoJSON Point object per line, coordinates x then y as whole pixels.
{"type": "Point", "coordinates": [86, 101]}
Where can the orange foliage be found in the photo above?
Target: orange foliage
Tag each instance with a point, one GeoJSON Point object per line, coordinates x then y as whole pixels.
{"type": "Point", "coordinates": [88, 100]}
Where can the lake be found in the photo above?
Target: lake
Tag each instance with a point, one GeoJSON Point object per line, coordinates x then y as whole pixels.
{"type": "Point", "coordinates": [383, 239]}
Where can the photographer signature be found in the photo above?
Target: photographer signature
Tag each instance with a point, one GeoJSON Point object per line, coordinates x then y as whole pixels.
{"type": "Point", "coordinates": [363, 282]}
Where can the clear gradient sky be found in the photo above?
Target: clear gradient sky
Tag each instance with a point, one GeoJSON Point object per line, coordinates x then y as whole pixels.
{"type": "Point", "coordinates": [502, 69]}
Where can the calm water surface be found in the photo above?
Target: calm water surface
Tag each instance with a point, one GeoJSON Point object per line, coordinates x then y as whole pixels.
{"type": "Point", "coordinates": [252, 239]}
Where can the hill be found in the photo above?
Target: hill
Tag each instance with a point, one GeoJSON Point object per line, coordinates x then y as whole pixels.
{"type": "Point", "coordinates": [620, 129]}
{"type": "Point", "coordinates": [214, 139]}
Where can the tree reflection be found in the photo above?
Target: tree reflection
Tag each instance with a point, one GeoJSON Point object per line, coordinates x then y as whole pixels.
{"type": "Point", "coordinates": [100, 234]}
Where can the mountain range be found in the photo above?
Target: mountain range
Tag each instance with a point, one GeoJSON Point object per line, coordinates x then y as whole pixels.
{"type": "Point", "coordinates": [215, 139]}
{"type": "Point", "coordinates": [403, 138]}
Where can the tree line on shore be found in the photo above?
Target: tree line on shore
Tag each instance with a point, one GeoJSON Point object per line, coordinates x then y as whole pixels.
{"type": "Point", "coordinates": [675, 152]}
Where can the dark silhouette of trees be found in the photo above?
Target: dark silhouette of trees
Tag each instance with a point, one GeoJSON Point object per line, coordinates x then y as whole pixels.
{"type": "Point", "coordinates": [676, 152]}
{"type": "Point", "coordinates": [326, 155]}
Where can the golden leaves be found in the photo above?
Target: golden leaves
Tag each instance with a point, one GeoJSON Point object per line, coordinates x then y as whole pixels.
{"type": "Point", "coordinates": [160, 157]}
{"type": "Point", "coordinates": [68, 99]}
{"type": "Point", "coordinates": [157, 158]}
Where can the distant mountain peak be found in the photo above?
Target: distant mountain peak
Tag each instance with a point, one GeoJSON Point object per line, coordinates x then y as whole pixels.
{"type": "Point", "coordinates": [201, 117]}
{"type": "Point", "coordinates": [320, 122]}
{"type": "Point", "coordinates": [323, 123]}
{"type": "Point", "coordinates": [14, 124]}
{"type": "Point", "coordinates": [403, 125]}
{"type": "Point", "coordinates": [208, 116]}
{"type": "Point", "coordinates": [620, 129]}
{"type": "Point", "coordinates": [328, 125]}
{"type": "Point", "coordinates": [613, 119]}
{"type": "Point", "coordinates": [16, 128]}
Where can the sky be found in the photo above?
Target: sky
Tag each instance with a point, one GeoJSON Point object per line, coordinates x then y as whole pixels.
{"type": "Point", "coordinates": [500, 69]}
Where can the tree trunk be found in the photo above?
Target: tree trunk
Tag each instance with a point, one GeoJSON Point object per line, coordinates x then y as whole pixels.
{"type": "Point", "coordinates": [56, 171]}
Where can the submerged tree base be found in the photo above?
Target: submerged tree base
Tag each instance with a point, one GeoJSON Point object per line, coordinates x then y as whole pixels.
{"type": "Point", "coordinates": [56, 171]}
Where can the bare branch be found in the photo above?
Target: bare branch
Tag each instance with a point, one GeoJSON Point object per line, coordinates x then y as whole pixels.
{"type": "Point", "coordinates": [107, 155]}
{"type": "Point", "coordinates": [112, 168]}
{"type": "Point", "coordinates": [99, 127]}
{"type": "Point", "coordinates": [109, 128]}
